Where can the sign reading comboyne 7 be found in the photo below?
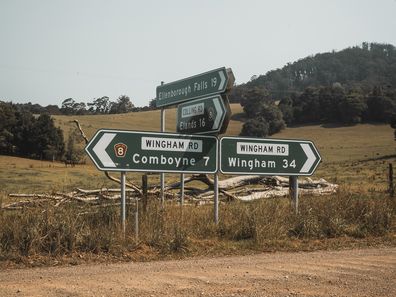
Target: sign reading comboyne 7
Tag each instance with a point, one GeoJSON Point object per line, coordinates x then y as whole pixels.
{"type": "Point", "coordinates": [194, 87]}
{"type": "Point", "coordinates": [267, 156]}
{"type": "Point", "coordinates": [114, 150]}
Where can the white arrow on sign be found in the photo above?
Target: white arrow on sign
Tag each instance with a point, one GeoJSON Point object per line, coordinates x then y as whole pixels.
{"type": "Point", "coordinates": [222, 80]}
{"type": "Point", "coordinates": [219, 113]}
{"type": "Point", "coordinates": [310, 155]}
{"type": "Point", "coordinates": [100, 149]}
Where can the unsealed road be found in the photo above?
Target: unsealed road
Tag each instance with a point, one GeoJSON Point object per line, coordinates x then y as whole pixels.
{"type": "Point", "coordinates": [368, 272]}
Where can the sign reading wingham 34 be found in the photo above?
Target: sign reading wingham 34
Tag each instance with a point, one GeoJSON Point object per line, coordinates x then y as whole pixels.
{"type": "Point", "coordinates": [240, 155]}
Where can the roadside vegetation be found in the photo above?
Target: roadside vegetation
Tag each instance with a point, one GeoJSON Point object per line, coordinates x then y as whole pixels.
{"type": "Point", "coordinates": [75, 233]}
{"type": "Point", "coordinates": [342, 101]}
{"type": "Point", "coordinates": [360, 214]}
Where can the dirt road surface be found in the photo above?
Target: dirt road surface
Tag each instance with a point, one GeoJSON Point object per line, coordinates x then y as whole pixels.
{"type": "Point", "coordinates": [367, 272]}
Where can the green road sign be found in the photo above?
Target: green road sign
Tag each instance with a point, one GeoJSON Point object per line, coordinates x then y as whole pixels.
{"type": "Point", "coordinates": [198, 86]}
{"type": "Point", "coordinates": [201, 116]}
{"type": "Point", "coordinates": [114, 150]}
{"type": "Point", "coordinates": [267, 156]}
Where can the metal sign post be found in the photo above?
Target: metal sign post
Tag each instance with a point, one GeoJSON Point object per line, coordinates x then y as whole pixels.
{"type": "Point", "coordinates": [181, 189]}
{"type": "Point", "coordinates": [216, 198]}
{"type": "Point", "coordinates": [123, 203]}
{"type": "Point", "coordinates": [293, 188]}
{"type": "Point", "coordinates": [162, 175]}
{"type": "Point", "coordinates": [137, 220]}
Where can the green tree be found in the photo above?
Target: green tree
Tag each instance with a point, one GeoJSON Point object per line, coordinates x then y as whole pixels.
{"type": "Point", "coordinates": [25, 136]}
{"type": "Point", "coordinates": [287, 109]}
{"type": "Point", "coordinates": [253, 100]}
{"type": "Point", "coordinates": [352, 108]}
{"type": "Point", "coordinates": [50, 144]}
{"type": "Point", "coordinates": [256, 127]}
{"type": "Point", "coordinates": [306, 107]}
{"type": "Point", "coordinates": [381, 107]}
{"type": "Point", "coordinates": [68, 106]}
{"type": "Point", "coordinates": [123, 105]}
{"type": "Point", "coordinates": [271, 114]}
{"type": "Point", "coordinates": [7, 123]}
{"type": "Point", "coordinates": [100, 105]}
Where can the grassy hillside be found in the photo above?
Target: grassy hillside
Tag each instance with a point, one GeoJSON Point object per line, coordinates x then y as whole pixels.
{"type": "Point", "coordinates": [140, 121]}
{"type": "Point", "coordinates": [346, 152]}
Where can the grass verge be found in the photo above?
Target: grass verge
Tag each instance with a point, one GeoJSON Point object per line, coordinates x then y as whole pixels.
{"type": "Point", "coordinates": [74, 234]}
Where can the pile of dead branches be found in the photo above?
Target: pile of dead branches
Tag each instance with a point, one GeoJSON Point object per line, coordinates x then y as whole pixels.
{"type": "Point", "coordinates": [243, 188]}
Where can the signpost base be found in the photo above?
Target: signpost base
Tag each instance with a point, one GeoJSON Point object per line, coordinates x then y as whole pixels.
{"type": "Point", "coordinates": [181, 189]}
{"type": "Point", "coordinates": [216, 198]}
{"type": "Point", "coordinates": [123, 202]}
{"type": "Point", "coordinates": [293, 187]}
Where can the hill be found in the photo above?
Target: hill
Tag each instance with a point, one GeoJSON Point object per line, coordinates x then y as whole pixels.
{"type": "Point", "coordinates": [350, 154]}
{"type": "Point", "coordinates": [364, 67]}
{"type": "Point", "coordinates": [140, 121]}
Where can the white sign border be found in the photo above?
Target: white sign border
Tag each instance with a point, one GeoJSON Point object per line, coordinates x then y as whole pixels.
{"type": "Point", "coordinates": [101, 168]}
{"type": "Point", "coordinates": [268, 140]}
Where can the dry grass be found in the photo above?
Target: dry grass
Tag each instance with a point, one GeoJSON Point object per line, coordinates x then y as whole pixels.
{"type": "Point", "coordinates": [356, 157]}
{"type": "Point", "coordinates": [263, 225]}
{"type": "Point", "coordinates": [138, 121]}
{"type": "Point", "coordinates": [346, 143]}
{"type": "Point", "coordinates": [345, 153]}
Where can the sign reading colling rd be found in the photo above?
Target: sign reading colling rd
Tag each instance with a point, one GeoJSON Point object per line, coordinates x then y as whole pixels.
{"type": "Point", "coordinates": [114, 150]}
{"type": "Point", "coordinates": [267, 156]}
{"type": "Point", "coordinates": [201, 116]}
{"type": "Point", "coordinates": [198, 86]}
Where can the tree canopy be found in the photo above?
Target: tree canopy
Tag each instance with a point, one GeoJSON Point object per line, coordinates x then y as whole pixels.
{"type": "Point", "coordinates": [23, 134]}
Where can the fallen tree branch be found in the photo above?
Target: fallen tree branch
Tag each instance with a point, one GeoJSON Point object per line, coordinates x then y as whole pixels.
{"type": "Point", "coordinates": [128, 184]}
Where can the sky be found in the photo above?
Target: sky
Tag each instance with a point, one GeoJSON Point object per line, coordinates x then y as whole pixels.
{"type": "Point", "coordinates": [51, 50]}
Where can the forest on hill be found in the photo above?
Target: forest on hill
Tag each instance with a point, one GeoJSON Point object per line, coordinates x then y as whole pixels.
{"type": "Point", "coordinates": [355, 85]}
{"type": "Point", "coordinates": [359, 68]}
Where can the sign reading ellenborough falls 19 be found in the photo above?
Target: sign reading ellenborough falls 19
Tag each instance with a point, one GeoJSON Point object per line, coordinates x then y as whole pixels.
{"type": "Point", "coordinates": [267, 156]}
{"type": "Point", "coordinates": [114, 150]}
{"type": "Point", "coordinates": [198, 86]}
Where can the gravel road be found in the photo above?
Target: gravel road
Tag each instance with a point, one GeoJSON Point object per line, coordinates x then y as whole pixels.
{"type": "Point", "coordinates": [362, 272]}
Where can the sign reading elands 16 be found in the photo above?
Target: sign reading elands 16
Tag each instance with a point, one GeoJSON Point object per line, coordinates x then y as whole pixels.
{"type": "Point", "coordinates": [202, 116]}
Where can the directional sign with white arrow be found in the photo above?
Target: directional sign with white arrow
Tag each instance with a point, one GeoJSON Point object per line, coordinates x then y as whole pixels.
{"type": "Point", "coordinates": [202, 116]}
{"type": "Point", "coordinates": [240, 155]}
{"type": "Point", "coordinates": [209, 83]}
{"type": "Point", "coordinates": [115, 150]}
